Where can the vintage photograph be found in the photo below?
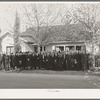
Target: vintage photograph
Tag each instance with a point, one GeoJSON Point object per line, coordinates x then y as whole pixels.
{"type": "Point", "coordinates": [49, 45]}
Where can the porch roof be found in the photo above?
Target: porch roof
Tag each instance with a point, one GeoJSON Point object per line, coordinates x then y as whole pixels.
{"type": "Point", "coordinates": [27, 39]}
{"type": "Point", "coordinates": [66, 42]}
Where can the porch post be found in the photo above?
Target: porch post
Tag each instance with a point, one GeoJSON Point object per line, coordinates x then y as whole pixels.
{"type": "Point", "coordinates": [64, 48]}
{"type": "Point", "coordinates": [42, 48]}
{"type": "Point", "coordinates": [75, 47]}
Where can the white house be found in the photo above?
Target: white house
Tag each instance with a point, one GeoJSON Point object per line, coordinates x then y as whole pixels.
{"type": "Point", "coordinates": [7, 43]}
{"type": "Point", "coordinates": [26, 43]}
{"type": "Point", "coordinates": [60, 38]}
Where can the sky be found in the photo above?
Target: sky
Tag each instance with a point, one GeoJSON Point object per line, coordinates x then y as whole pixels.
{"type": "Point", "coordinates": [7, 16]}
{"type": "Point", "coordinates": [8, 12]}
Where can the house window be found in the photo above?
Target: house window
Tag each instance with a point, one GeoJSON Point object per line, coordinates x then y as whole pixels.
{"type": "Point", "coordinates": [44, 48]}
{"type": "Point", "coordinates": [40, 48]}
{"type": "Point", "coordinates": [68, 48]}
{"type": "Point", "coordinates": [78, 47]}
{"type": "Point", "coordinates": [61, 48]}
{"type": "Point", "coordinates": [71, 47]}
{"type": "Point", "coordinates": [9, 50]}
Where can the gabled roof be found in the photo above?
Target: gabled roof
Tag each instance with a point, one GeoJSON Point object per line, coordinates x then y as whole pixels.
{"type": "Point", "coordinates": [72, 32]}
{"type": "Point", "coordinates": [28, 32]}
{"type": "Point", "coordinates": [27, 39]}
{"type": "Point", "coordinates": [66, 42]}
{"type": "Point", "coordinates": [66, 33]}
{"type": "Point", "coordinates": [6, 34]}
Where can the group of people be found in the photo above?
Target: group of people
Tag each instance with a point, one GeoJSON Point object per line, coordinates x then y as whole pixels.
{"type": "Point", "coordinates": [58, 61]}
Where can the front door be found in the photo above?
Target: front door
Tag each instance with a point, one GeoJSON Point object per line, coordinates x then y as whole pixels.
{"type": "Point", "coordinates": [35, 49]}
{"type": "Point", "coordinates": [9, 50]}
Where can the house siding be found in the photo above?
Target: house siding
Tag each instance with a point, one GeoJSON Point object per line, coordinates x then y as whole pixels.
{"type": "Point", "coordinates": [7, 41]}
{"type": "Point", "coordinates": [48, 48]}
{"type": "Point", "coordinates": [51, 47]}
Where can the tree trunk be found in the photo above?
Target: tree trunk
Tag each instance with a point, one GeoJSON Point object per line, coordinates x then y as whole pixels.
{"type": "Point", "coordinates": [93, 56]}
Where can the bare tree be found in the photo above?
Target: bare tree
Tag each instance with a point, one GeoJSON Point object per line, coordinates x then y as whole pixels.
{"type": "Point", "coordinates": [41, 16]}
{"type": "Point", "coordinates": [87, 15]}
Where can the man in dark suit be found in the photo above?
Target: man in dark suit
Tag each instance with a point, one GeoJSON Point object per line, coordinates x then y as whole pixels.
{"type": "Point", "coordinates": [33, 60]}
{"type": "Point", "coordinates": [23, 60]}
{"type": "Point", "coordinates": [19, 61]}
{"type": "Point", "coordinates": [64, 61]}
{"type": "Point", "coordinates": [11, 57]}
{"type": "Point", "coordinates": [75, 60]}
{"type": "Point", "coordinates": [37, 60]}
{"type": "Point", "coordinates": [16, 61]}
{"type": "Point", "coordinates": [3, 60]}
{"type": "Point", "coordinates": [28, 60]}
{"type": "Point", "coordinates": [47, 61]}
{"type": "Point", "coordinates": [40, 60]}
{"type": "Point", "coordinates": [43, 61]}
{"type": "Point", "coordinates": [60, 61]}
{"type": "Point", "coordinates": [67, 61]}
{"type": "Point", "coordinates": [52, 61]}
{"type": "Point", "coordinates": [56, 61]}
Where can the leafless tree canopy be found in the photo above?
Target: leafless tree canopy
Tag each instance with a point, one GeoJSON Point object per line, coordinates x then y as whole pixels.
{"type": "Point", "coordinates": [45, 15]}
